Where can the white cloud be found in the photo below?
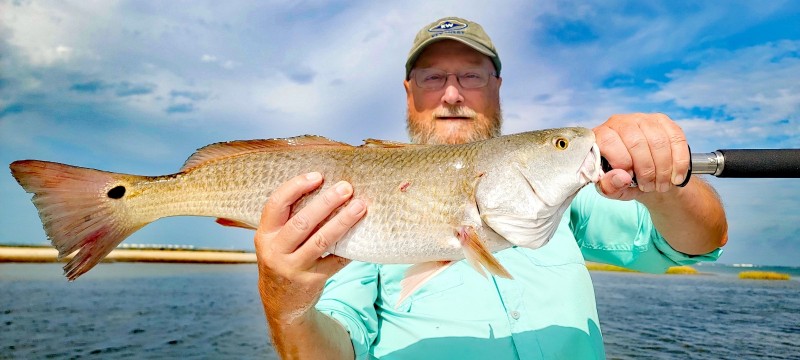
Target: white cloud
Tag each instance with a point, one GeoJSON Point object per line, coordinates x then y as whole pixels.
{"type": "Point", "coordinates": [47, 34]}
{"type": "Point", "coordinates": [756, 87]}
{"type": "Point", "coordinates": [230, 64]}
{"type": "Point", "coordinates": [761, 78]}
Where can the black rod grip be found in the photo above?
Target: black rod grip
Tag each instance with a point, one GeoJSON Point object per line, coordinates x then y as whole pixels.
{"type": "Point", "coordinates": [761, 163]}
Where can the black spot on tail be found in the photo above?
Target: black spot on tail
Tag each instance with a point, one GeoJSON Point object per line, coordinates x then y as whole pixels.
{"type": "Point", "coordinates": [117, 192]}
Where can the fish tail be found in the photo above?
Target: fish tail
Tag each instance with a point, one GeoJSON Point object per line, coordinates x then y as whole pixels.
{"type": "Point", "coordinates": [478, 255]}
{"type": "Point", "coordinates": [81, 209]}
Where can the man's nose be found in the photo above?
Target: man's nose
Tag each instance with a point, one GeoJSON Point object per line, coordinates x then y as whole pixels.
{"type": "Point", "coordinates": [452, 92]}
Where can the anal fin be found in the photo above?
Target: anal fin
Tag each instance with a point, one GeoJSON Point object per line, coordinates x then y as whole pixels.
{"type": "Point", "coordinates": [417, 275]}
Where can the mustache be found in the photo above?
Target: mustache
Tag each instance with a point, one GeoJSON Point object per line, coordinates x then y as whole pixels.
{"type": "Point", "coordinates": [455, 111]}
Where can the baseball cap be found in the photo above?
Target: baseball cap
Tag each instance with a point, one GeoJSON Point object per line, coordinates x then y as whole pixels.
{"type": "Point", "coordinates": [453, 28]}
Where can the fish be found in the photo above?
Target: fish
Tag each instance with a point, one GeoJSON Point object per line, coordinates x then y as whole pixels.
{"type": "Point", "coordinates": [428, 205]}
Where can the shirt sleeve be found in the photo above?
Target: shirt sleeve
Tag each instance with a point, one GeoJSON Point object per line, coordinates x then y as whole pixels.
{"type": "Point", "coordinates": [349, 298]}
{"type": "Point", "coordinates": [622, 233]}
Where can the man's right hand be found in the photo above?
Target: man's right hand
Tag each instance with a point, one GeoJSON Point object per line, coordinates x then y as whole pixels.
{"type": "Point", "coordinates": [289, 249]}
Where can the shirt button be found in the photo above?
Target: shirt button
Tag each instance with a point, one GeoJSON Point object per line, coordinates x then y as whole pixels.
{"type": "Point", "coordinates": [514, 314]}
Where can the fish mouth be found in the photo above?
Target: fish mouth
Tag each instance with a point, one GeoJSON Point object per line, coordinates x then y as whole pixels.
{"type": "Point", "coordinates": [591, 170]}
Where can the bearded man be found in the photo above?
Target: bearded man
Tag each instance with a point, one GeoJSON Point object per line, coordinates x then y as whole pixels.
{"type": "Point", "coordinates": [331, 308]}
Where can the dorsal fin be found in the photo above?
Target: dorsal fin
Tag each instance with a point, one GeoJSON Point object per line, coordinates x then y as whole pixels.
{"type": "Point", "coordinates": [232, 148]}
{"type": "Point", "coordinates": [385, 143]}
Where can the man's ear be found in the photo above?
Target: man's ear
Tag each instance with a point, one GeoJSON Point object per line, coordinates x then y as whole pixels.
{"type": "Point", "coordinates": [409, 96]}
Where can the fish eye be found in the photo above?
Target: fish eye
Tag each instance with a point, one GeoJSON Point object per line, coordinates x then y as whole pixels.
{"type": "Point", "coordinates": [561, 143]}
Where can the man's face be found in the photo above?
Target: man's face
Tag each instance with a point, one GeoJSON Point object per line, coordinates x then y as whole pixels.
{"type": "Point", "coordinates": [452, 114]}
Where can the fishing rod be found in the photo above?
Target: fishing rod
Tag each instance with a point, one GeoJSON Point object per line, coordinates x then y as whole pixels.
{"type": "Point", "coordinates": [741, 163]}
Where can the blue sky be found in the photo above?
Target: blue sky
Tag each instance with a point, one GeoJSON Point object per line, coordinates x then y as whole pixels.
{"type": "Point", "coordinates": [137, 86]}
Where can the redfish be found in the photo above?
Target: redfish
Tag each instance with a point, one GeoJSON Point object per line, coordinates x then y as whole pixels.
{"type": "Point", "coordinates": [427, 204]}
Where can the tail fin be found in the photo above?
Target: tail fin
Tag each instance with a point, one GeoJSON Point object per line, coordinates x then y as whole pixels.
{"type": "Point", "coordinates": [80, 209]}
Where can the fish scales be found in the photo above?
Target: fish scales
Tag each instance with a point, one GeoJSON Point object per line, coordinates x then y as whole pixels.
{"type": "Point", "coordinates": [414, 223]}
{"type": "Point", "coordinates": [415, 199]}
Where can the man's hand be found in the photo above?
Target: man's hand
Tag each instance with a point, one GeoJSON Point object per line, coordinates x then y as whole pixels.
{"type": "Point", "coordinates": [651, 146]}
{"type": "Point", "coordinates": [292, 273]}
{"type": "Point", "coordinates": [654, 148]}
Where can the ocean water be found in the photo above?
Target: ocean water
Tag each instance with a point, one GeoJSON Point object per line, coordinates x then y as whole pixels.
{"type": "Point", "coordinates": [213, 311]}
{"type": "Point", "coordinates": [128, 310]}
{"type": "Point", "coordinates": [714, 316]}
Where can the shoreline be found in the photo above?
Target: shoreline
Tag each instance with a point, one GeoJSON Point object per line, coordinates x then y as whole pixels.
{"type": "Point", "coordinates": [47, 254]}
{"type": "Point", "coordinates": [36, 254]}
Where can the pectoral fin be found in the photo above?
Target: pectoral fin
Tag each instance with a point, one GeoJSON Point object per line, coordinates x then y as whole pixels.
{"type": "Point", "coordinates": [477, 254]}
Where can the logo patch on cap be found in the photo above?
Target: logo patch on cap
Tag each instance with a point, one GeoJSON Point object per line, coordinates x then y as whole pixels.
{"type": "Point", "coordinates": [449, 27]}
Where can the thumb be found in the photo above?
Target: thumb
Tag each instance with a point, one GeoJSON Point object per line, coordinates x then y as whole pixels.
{"type": "Point", "coordinates": [615, 183]}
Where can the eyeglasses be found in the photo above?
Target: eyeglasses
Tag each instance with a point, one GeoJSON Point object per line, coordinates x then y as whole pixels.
{"type": "Point", "coordinates": [434, 79]}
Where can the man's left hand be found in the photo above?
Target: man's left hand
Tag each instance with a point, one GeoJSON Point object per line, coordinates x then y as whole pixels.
{"type": "Point", "coordinates": [650, 146]}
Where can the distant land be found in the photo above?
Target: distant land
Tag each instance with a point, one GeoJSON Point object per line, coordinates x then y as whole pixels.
{"type": "Point", "coordinates": [171, 253]}
{"type": "Point", "coordinates": [133, 253]}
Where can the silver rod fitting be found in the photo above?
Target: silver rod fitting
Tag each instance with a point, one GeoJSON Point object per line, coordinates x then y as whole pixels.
{"type": "Point", "coordinates": [708, 163]}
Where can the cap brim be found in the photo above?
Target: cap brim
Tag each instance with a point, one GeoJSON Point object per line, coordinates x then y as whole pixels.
{"type": "Point", "coordinates": [469, 42]}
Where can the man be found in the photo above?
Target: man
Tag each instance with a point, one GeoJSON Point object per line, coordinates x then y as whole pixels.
{"type": "Point", "coordinates": [548, 311]}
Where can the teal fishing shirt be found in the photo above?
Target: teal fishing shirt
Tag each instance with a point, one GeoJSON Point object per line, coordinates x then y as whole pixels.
{"type": "Point", "coordinates": [547, 311]}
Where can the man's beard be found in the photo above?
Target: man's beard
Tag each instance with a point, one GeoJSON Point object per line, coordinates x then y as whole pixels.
{"type": "Point", "coordinates": [422, 130]}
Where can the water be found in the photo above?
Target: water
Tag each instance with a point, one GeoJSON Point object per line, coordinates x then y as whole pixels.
{"type": "Point", "coordinates": [213, 311]}
{"type": "Point", "coordinates": [132, 311]}
{"type": "Point", "coordinates": [698, 317]}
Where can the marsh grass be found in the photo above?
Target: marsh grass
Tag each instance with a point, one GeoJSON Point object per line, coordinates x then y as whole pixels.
{"type": "Point", "coordinates": [763, 275]}
{"type": "Point", "coordinates": [592, 266]}
{"type": "Point", "coordinates": [675, 270]}
{"type": "Point", "coordinates": [682, 270]}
